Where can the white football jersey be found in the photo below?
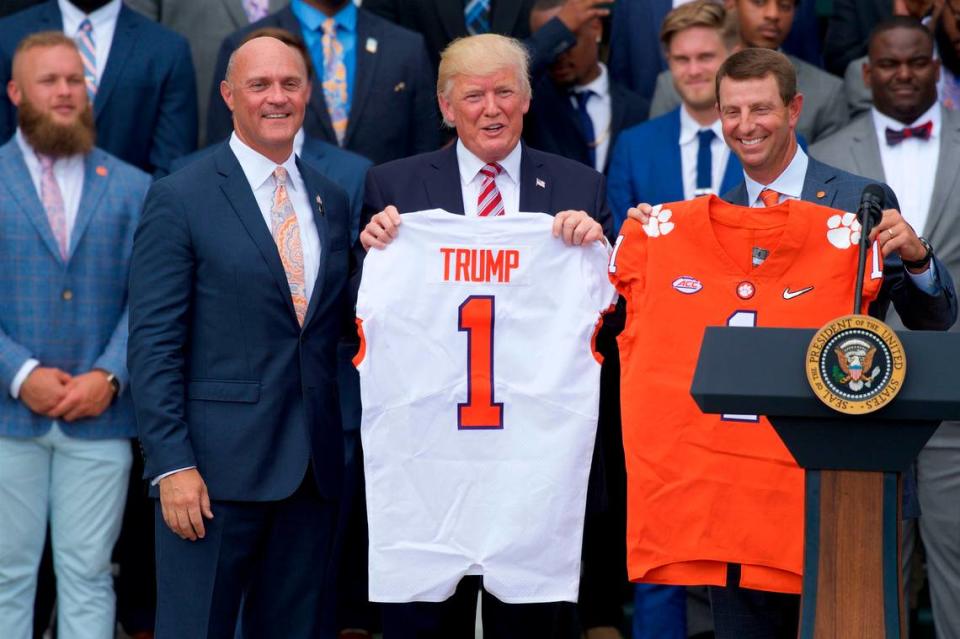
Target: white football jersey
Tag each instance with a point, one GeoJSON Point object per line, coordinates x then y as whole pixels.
{"type": "Point", "coordinates": [480, 392]}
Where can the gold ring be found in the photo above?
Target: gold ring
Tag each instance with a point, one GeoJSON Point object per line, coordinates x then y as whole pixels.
{"type": "Point", "coordinates": [890, 231]}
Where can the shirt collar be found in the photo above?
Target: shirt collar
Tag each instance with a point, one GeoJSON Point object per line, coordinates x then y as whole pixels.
{"type": "Point", "coordinates": [258, 168]}
{"type": "Point", "coordinates": [690, 127]}
{"type": "Point", "coordinates": [788, 183]}
{"type": "Point", "coordinates": [600, 85]}
{"type": "Point", "coordinates": [881, 121]}
{"type": "Point", "coordinates": [313, 19]}
{"type": "Point", "coordinates": [105, 14]}
{"type": "Point", "coordinates": [470, 164]}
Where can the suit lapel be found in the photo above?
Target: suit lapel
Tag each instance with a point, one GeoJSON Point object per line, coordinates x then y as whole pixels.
{"type": "Point", "coordinates": [505, 15]}
{"type": "Point", "coordinates": [451, 17]}
{"type": "Point", "coordinates": [865, 147]}
{"type": "Point", "coordinates": [672, 164]}
{"type": "Point", "coordinates": [946, 178]}
{"type": "Point", "coordinates": [535, 185]}
{"type": "Point", "coordinates": [20, 185]}
{"type": "Point", "coordinates": [618, 112]}
{"type": "Point", "coordinates": [443, 185]}
{"type": "Point", "coordinates": [315, 198]}
{"type": "Point", "coordinates": [238, 192]}
{"type": "Point", "coordinates": [95, 180]}
{"type": "Point", "coordinates": [366, 70]}
{"type": "Point", "coordinates": [732, 174]}
{"type": "Point", "coordinates": [237, 14]}
{"type": "Point", "coordinates": [124, 38]}
{"type": "Point", "coordinates": [817, 184]}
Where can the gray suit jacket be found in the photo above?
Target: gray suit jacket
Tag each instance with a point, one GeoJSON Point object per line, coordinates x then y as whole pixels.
{"type": "Point", "coordinates": [205, 24]}
{"type": "Point", "coordinates": [824, 102]}
{"type": "Point", "coordinates": [856, 149]}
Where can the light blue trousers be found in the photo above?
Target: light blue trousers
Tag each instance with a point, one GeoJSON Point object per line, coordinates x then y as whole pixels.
{"type": "Point", "coordinates": [81, 486]}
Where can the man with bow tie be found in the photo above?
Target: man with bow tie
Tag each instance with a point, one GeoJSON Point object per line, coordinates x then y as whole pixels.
{"type": "Point", "coordinates": [912, 143]}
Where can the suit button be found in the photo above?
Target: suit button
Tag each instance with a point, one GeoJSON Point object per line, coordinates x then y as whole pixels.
{"type": "Point", "coordinates": [67, 295]}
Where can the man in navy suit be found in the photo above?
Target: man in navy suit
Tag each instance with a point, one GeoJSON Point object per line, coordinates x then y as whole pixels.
{"type": "Point", "coordinates": [484, 91]}
{"type": "Point", "coordinates": [144, 101]}
{"type": "Point", "coordinates": [760, 107]}
{"type": "Point", "coordinates": [238, 297]}
{"type": "Point", "coordinates": [379, 105]}
{"type": "Point", "coordinates": [680, 154]}
{"type": "Point", "coordinates": [577, 111]}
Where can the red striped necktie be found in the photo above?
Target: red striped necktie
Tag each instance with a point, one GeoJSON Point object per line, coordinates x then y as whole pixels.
{"type": "Point", "coordinates": [489, 202]}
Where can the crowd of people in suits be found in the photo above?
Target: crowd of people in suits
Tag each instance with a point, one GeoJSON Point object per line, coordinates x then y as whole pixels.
{"type": "Point", "coordinates": [627, 90]}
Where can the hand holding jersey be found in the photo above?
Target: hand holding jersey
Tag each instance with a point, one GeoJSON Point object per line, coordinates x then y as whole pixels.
{"type": "Point", "coordinates": [892, 234]}
{"type": "Point", "coordinates": [575, 228]}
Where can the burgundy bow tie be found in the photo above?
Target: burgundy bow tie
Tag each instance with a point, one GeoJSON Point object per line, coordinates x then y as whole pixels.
{"type": "Point", "coordinates": [921, 131]}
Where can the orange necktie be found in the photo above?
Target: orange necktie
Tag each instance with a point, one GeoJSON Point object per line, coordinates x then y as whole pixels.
{"type": "Point", "coordinates": [769, 197]}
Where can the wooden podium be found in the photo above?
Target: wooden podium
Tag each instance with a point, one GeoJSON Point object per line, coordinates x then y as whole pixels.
{"type": "Point", "coordinates": [851, 581]}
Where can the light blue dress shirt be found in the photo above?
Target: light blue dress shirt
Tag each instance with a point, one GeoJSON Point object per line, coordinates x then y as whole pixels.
{"type": "Point", "coordinates": [311, 22]}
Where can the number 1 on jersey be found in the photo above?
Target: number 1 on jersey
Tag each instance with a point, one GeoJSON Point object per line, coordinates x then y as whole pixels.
{"type": "Point", "coordinates": [741, 318]}
{"type": "Point", "coordinates": [479, 411]}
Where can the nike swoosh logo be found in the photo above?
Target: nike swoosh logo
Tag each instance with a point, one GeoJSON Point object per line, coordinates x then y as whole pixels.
{"type": "Point", "coordinates": [789, 295]}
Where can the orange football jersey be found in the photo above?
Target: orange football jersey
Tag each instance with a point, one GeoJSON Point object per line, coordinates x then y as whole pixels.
{"type": "Point", "coordinates": [705, 490]}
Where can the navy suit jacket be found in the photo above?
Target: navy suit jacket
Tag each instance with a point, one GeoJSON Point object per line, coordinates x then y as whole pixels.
{"type": "Point", "coordinates": [552, 125]}
{"type": "Point", "coordinates": [442, 21]}
{"type": "Point", "coordinates": [636, 57]}
{"type": "Point", "coordinates": [841, 190]}
{"type": "Point", "coordinates": [432, 180]}
{"type": "Point", "coordinates": [146, 103]}
{"type": "Point", "coordinates": [645, 166]}
{"type": "Point", "coordinates": [222, 375]}
{"type": "Point", "coordinates": [393, 111]}
{"type": "Point", "coordinates": [348, 170]}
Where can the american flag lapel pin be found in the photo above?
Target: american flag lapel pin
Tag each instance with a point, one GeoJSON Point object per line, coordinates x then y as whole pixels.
{"type": "Point", "coordinates": [319, 204]}
{"type": "Point", "coordinates": [541, 183]}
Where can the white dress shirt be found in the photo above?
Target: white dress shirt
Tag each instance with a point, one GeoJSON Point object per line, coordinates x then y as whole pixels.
{"type": "Point", "coordinates": [104, 23]}
{"type": "Point", "coordinates": [910, 167]}
{"type": "Point", "coordinates": [600, 110]}
{"type": "Point", "coordinates": [259, 173]}
{"type": "Point", "coordinates": [68, 173]}
{"type": "Point", "coordinates": [690, 146]}
{"type": "Point", "coordinates": [789, 185]}
{"type": "Point", "coordinates": [508, 182]}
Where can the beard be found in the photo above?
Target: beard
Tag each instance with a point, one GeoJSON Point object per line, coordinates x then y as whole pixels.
{"type": "Point", "coordinates": [49, 137]}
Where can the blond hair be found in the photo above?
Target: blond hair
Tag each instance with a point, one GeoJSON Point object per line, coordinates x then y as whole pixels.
{"type": "Point", "coordinates": [483, 55]}
{"type": "Point", "coordinates": [44, 40]}
{"type": "Point", "coordinates": [701, 13]}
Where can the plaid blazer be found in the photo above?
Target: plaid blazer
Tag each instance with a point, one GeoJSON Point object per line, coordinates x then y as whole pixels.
{"type": "Point", "coordinates": [73, 314]}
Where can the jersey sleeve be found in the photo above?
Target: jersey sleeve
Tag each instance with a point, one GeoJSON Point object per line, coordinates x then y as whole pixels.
{"type": "Point", "coordinates": [872, 276]}
{"type": "Point", "coordinates": [628, 259]}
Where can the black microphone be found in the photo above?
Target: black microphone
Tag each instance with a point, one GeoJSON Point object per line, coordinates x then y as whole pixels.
{"type": "Point", "coordinates": [869, 214]}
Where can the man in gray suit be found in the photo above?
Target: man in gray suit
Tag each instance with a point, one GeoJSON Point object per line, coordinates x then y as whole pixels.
{"type": "Point", "coordinates": [766, 24]}
{"type": "Point", "coordinates": [205, 24]}
{"type": "Point", "coordinates": [910, 141]}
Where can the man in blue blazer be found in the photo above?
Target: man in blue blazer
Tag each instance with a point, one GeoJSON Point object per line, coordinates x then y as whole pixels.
{"type": "Point", "coordinates": [145, 102]}
{"type": "Point", "coordinates": [658, 161]}
{"type": "Point", "coordinates": [391, 111]}
{"type": "Point", "coordinates": [238, 298]}
{"type": "Point", "coordinates": [68, 213]}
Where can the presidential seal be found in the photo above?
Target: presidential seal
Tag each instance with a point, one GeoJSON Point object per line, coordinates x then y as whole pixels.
{"type": "Point", "coordinates": [856, 364]}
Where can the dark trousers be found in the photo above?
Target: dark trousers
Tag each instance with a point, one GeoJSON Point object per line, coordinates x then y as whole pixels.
{"type": "Point", "coordinates": [455, 617]}
{"type": "Point", "coordinates": [264, 566]}
{"type": "Point", "coordinates": [742, 613]}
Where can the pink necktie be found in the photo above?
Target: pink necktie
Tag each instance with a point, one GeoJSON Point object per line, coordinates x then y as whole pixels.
{"type": "Point", "coordinates": [489, 202]}
{"type": "Point", "coordinates": [286, 233]}
{"type": "Point", "coordinates": [52, 201]}
{"type": "Point", "coordinates": [255, 9]}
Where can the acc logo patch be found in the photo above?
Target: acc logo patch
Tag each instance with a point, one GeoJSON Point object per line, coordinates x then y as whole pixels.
{"type": "Point", "coordinates": [687, 285]}
{"type": "Point", "coordinates": [856, 364]}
